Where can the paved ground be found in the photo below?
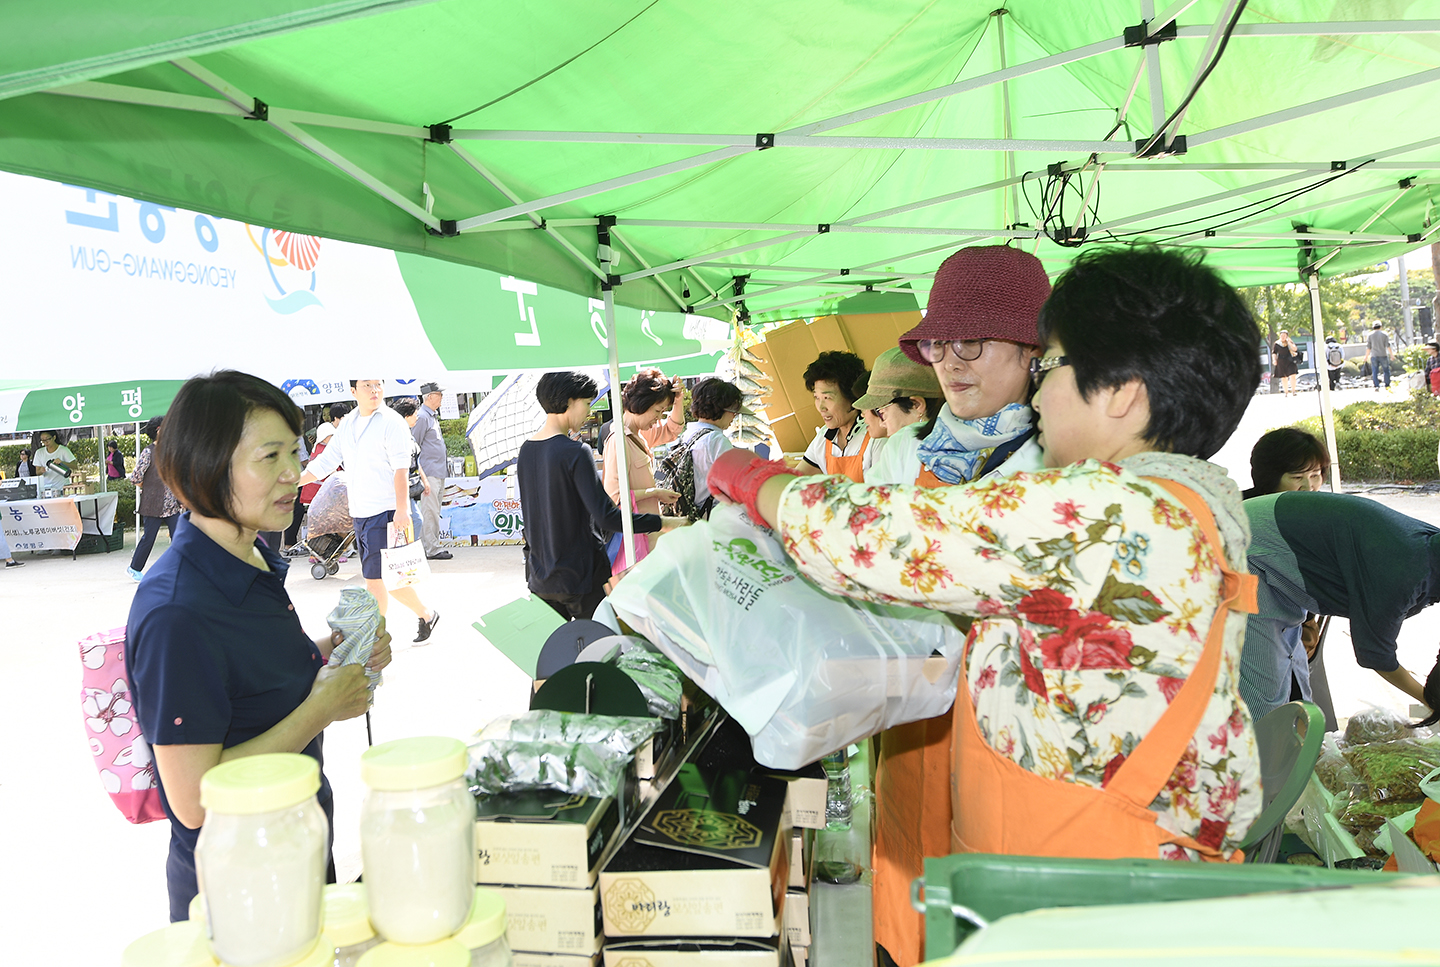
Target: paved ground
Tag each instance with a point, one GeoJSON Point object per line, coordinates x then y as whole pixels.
{"type": "Point", "coordinates": [78, 876]}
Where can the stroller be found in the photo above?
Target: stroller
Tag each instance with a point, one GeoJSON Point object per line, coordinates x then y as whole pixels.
{"type": "Point", "coordinates": [330, 532]}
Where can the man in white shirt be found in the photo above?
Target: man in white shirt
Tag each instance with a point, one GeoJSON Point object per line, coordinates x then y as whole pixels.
{"type": "Point", "coordinates": [374, 444]}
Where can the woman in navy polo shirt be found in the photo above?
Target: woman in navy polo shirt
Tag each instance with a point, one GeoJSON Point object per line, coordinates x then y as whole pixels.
{"type": "Point", "coordinates": [219, 665]}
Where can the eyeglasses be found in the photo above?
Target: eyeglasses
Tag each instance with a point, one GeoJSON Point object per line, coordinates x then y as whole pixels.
{"type": "Point", "coordinates": [933, 350]}
{"type": "Point", "coordinates": [1041, 365]}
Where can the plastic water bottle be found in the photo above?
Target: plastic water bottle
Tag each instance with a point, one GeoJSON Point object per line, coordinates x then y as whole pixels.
{"type": "Point", "coordinates": [837, 797]}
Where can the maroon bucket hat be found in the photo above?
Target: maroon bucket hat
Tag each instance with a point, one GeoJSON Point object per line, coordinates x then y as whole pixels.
{"type": "Point", "coordinates": [983, 292]}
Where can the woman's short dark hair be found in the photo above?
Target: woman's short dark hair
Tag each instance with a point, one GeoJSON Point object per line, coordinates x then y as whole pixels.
{"type": "Point", "coordinates": [840, 368]}
{"type": "Point", "coordinates": [713, 398]}
{"type": "Point", "coordinates": [1160, 316]}
{"type": "Point", "coordinates": [645, 389]}
{"type": "Point", "coordinates": [1282, 451]}
{"type": "Point", "coordinates": [405, 406]}
{"type": "Point", "coordinates": [202, 429]}
{"type": "Point", "coordinates": [556, 390]}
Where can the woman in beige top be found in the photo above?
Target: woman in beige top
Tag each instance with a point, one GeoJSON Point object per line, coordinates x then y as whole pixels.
{"type": "Point", "coordinates": [644, 401]}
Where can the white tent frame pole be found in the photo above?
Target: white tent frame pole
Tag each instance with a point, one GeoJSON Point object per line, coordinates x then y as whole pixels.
{"type": "Point", "coordinates": [599, 187]}
{"type": "Point", "coordinates": [617, 426]}
{"type": "Point", "coordinates": [137, 489]}
{"type": "Point", "coordinates": [1007, 130]}
{"type": "Point", "coordinates": [1327, 412]}
{"type": "Point", "coordinates": [836, 274]}
{"type": "Point", "coordinates": [1217, 30]}
{"type": "Point", "coordinates": [1152, 72]}
{"type": "Point", "coordinates": [635, 254]}
{"type": "Point", "coordinates": [1313, 107]}
{"type": "Point", "coordinates": [242, 100]}
{"type": "Point", "coordinates": [1334, 28]}
{"type": "Point", "coordinates": [1156, 24]}
{"type": "Point", "coordinates": [535, 221]}
{"type": "Point", "coordinates": [736, 250]}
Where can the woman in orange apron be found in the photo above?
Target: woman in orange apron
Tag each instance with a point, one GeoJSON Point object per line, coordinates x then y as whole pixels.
{"type": "Point", "coordinates": [1098, 712]}
{"type": "Point", "coordinates": [841, 445]}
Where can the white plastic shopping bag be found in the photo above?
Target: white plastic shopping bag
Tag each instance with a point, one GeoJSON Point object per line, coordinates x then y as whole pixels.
{"type": "Point", "coordinates": [805, 672]}
{"type": "Point", "coordinates": [404, 564]}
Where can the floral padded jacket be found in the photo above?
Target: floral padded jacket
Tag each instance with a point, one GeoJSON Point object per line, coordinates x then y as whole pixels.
{"type": "Point", "coordinates": [1092, 591]}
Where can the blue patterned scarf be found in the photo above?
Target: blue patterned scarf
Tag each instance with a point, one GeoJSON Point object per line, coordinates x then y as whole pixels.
{"type": "Point", "coordinates": [956, 449]}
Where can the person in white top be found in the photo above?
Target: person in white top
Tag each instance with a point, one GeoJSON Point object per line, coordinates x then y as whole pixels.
{"type": "Point", "coordinates": [906, 398]}
{"type": "Point", "coordinates": [715, 404]}
{"type": "Point", "coordinates": [374, 444]}
{"type": "Point", "coordinates": [54, 460]}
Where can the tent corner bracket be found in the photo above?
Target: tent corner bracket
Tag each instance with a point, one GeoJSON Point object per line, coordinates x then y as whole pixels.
{"type": "Point", "coordinates": [763, 141]}
{"type": "Point", "coordinates": [1140, 35]}
{"type": "Point", "coordinates": [448, 229]}
{"type": "Point", "coordinates": [259, 112]}
{"type": "Point", "coordinates": [1175, 146]}
{"type": "Point", "coordinates": [440, 134]}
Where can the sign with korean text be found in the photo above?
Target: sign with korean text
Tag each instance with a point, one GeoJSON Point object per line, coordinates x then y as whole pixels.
{"type": "Point", "coordinates": [133, 401]}
{"type": "Point", "coordinates": [40, 525]}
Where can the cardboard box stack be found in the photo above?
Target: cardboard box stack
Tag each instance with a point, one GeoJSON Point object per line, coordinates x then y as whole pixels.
{"type": "Point", "coordinates": [704, 875]}
{"type": "Point", "coordinates": [543, 852]}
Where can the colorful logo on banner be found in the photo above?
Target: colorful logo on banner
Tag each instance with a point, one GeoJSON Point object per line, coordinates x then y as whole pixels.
{"type": "Point", "coordinates": [290, 258]}
{"type": "Point", "coordinates": [505, 515]}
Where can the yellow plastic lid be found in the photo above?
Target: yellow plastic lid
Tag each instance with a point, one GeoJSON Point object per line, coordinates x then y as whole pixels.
{"type": "Point", "coordinates": [260, 783]}
{"type": "Point", "coordinates": [320, 955]}
{"type": "Point", "coordinates": [487, 920]}
{"type": "Point", "coordinates": [416, 763]}
{"type": "Point", "coordinates": [346, 913]}
{"type": "Point", "coordinates": [197, 907]}
{"type": "Point", "coordinates": [182, 944]}
{"type": "Point", "coordinates": [444, 953]}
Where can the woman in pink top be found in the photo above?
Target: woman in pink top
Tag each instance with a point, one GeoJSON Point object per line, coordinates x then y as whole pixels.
{"type": "Point", "coordinates": [644, 401]}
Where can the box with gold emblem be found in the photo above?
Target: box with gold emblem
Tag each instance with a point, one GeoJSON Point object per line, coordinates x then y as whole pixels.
{"type": "Point", "coordinates": [710, 859]}
{"type": "Point", "coordinates": [543, 838]}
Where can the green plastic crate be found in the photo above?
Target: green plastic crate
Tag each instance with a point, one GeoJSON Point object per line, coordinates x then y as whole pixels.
{"type": "Point", "coordinates": [994, 886]}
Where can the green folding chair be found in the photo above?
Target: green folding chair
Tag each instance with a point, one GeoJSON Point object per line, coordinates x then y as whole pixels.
{"type": "Point", "coordinates": [1289, 740]}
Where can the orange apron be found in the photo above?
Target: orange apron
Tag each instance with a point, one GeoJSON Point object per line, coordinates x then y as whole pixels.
{"type": "Point", "coordinates": [917, 797]}
{"type": "Point", "coordinates": [852, 467]}
{"type": "Point", "coordinates": [912, 819]}
{"type": "Point", "coordinates": [1006, 809]}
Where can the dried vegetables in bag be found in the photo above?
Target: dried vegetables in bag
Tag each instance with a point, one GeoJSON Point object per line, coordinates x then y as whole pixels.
{"type": "Point", "coordinates": [1394, 770]}
{"type": "Point", "coordinates": [658, 678]}
{"type": "Point", "coordinates": [618, 735]}
{"type": "Point", "coordinates": [1334, 773]}
{"type": "Point", "coordinates": [1375, 725]}
{"type": "Point", "coordinates": [501, 765]}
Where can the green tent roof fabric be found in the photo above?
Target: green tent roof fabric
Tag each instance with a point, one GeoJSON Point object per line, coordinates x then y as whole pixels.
{"type": "Point", "coordinates": [811, 148]}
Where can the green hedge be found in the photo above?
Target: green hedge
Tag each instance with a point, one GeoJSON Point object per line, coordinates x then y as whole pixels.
{"type": "Point", "coordinates": [1390, 442]}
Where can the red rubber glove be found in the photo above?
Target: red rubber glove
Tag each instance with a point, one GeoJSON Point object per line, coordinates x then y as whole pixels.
{"type": "Point", "coordinates": [736, 477]}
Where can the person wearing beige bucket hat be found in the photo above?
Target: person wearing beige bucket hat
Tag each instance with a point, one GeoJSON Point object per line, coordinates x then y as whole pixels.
{"type": "Point", "coordinates": [979, 335]}
{"type": "Point", "coordinates": [904, 397]}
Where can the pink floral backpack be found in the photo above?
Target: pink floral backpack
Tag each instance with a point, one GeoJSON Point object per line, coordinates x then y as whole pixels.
{"type": "Point", "coordinates": [121, 753]}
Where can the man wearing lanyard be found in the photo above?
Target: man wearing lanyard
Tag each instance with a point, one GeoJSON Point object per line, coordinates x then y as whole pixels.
{"type": "Point", "coordinates": [374, 444]}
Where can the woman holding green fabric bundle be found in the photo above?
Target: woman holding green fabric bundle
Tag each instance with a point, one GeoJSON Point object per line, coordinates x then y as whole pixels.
{"type": "Point", "coordinates": [1099, 712]}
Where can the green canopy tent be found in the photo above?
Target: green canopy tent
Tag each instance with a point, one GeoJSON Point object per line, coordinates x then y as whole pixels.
{"type": "Point", "coordinates": [755, 157]}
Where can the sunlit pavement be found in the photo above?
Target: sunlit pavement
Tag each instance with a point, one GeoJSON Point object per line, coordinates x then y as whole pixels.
{"type": "Point", "coordinates": [79, 879]}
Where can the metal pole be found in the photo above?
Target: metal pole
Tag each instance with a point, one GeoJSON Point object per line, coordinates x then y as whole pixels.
{"type": "Point", "coordinates": [1405, 302]}
{"type": "Point", "coordinates": [137, 489]}
{"type": "Point", "coordinates": [617, 426]}
{"type": "Point", "coordinates": [1327, 413]}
